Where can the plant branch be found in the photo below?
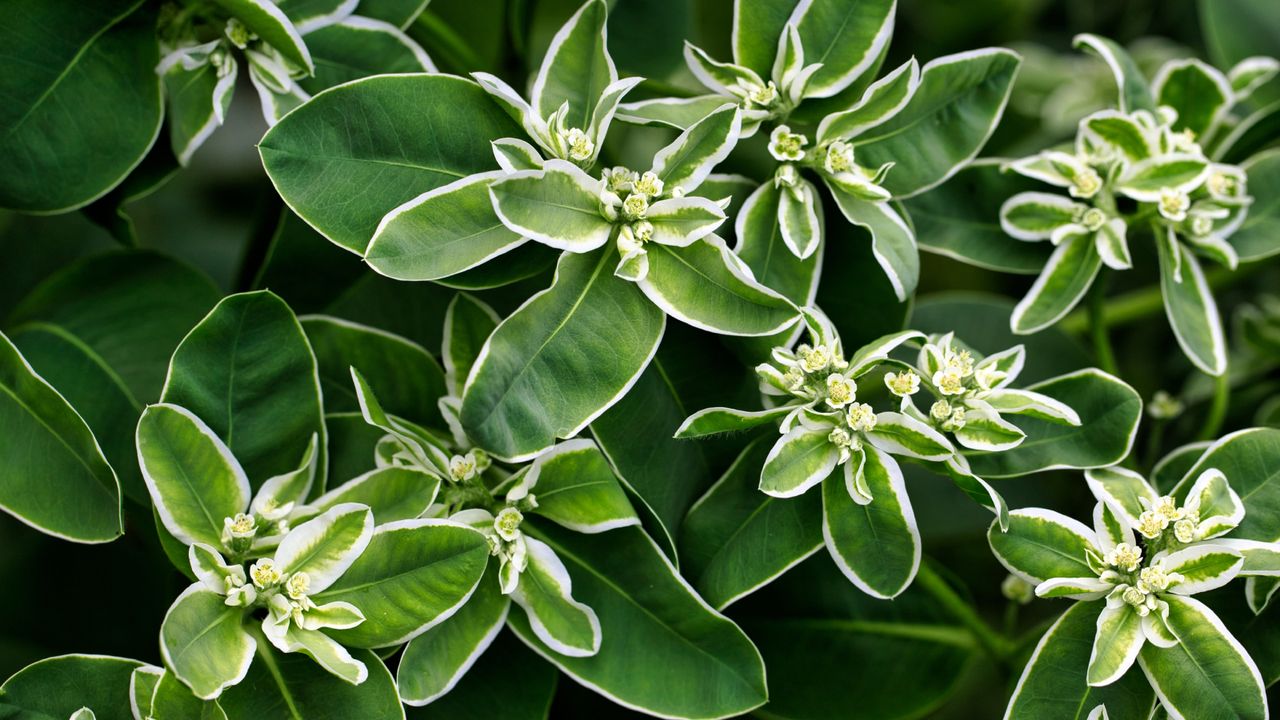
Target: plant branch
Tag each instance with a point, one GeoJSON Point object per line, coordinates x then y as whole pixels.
{"type": "Point", "coordinates": [1217, 407]}
{"type": "Point", "coordinates": [1097, 314]}
{"type": "Point", "coordinates": [991, 641]}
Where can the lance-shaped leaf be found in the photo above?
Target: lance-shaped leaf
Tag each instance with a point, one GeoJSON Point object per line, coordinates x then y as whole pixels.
{"type": "Point", "coordinates": [736, 539]}
{"type": "Point", "coordinates": [197, 103]}
{"type": "Point", "coordinates": [876, 545]}
{"type": "Point", "coordinates": [413, 574]}
{"type": "Point", "coordinates": [564, 357]}
{"type": "Point", "coordinates": [57, 687]}
{"type": "Point", "coordinates": [468, 322]}
{"type": "Point", "coordinates": [691, 157]}
{"type": "Point", "coordinates": [648, 605]}
{"type": "Point", "coordinates": [986, 430]}
{"type": "Point", "coordinates": [904, 435]}
{"type": "Point", "coordinates": [402, 372]}
{"type": "Point", "coordinates": [575, 487]}
{"type": "Point", "coordinates": [1041, 545]}
{"type": "Point", "coordinates": [310, 15]}
{"type": "Point", "coordinates": [678, 113]}
{"type": "Point", "coordinates": [577, 67]}
{"type": "Point", "coordinates": [1190, 307]}
{"type": "Point", "coordinates": [434, 662]}
{"type": "Point", "coordinates": [705, 285]}
{"type": "Point", "coordinates": [525, 695]}
{"type": "Point", "coordinates": [1144, 181]}
{"type": "Point", "coordinates": [170, 698]}
{"type": "Point", "coordinates": [1120, 131]}
{"type": "Point", "coordinates": [442, 232]}
{"type": "Point", "coordinates": [1199, 93]}
{"type": "Point", "coordinates": [1123, 489]}
{"type": "Point", "coordinates": [142, 685]}
{"type": "Point", "coordinates": [846, 38]}
{"type": "Point", "coordinates": [679, 222]}
{"type": "Point", "coordinates": [558, 206]}
{"type": "Point", "coordinates": [82, 103]}
{"type": "Point", "coordinates": [356, 152]}
{"type": "Point", "coordinates": [799, 460]}
{"type": "Point", "coordinates": [957, 106]}
{"type": "Point", "coordinates": [1116, 644]}
{"type": "Point", "coordinates": [881, 101]}
{"type": "Point", "coordinates": [762, 246]}
{"type": "Point", "coordinates": [1208, 672]}
{"type": "Point", "coordinates": [286, 686]}
{"type": "Point", "coordinates": [715, 421]}
{"type": "Point", "coordinates": [1251, 239]}
{"type": "Point", "coordinates": [1109, 412]}
{"type": "Point", "coordinates": [194, 480]}
{"type": "Point", "coordinates": [1054, 684]}
{"type": "Point", "coordinates": [247, 370]}
{"type": "Point", "coordinates": [327, 545]}
{"type": "Point", "coordinates": [269, 22]}
{"type": "Point", "coordinates": [357, 47]}
{"type": "Point", "coordinates": [204, 642]}
{"type": "Point", "coordinates": [798, 219]}
{"type": "Point", "coordinates": [1204, 567]}
{"type": "Point", "coordinates": [1135, 93]}
{"type": "Point", "coordinates": [391, 493]}
{"type": "Point", "coordinates": [545, 592]}
{"type": "Point", "coordinates": [55, 477]}
{"type": "Point", "coordinates": [1036, 215]}
{"type": "Point", "coordinates": [1062, 284]}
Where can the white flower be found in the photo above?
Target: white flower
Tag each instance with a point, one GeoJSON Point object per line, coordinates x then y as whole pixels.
{"type": "Point", "coordinates": [813, 359]}
{"type": "Point", "coordinates": [265, 574]}
{"type": "Point", "coordinates": [785, 145]}
{"type": "Point", "coordinates": [902, 384]}
{"type": "Point", "coordinates": [1186, 530]}
{"type": "Point", "coordinates": [238, 34]}
{"type": "Point", "coordinates": [635, 206]}
{"type": "Point", "coordinates": [507, 523]}
{"type": "Point", "coordinates": [1085, 184]}
{"type": "Point", "coordinates": [956, 421]}
{"type": "Point", "coordinates": [759, 95]}
{"type": "Point", "coordinates": [861, 417]}
{"type": "Point", "coordinates": [1093, 219]}
{"type": "Point", "coordinates": [940, 410]}
{"type": "Point", "coordinates": [462, 467]}
{"type": "Point", "coordinates": [241, 527]}
{"type": "Point", "coordinates": [839, 158]}
{"type": "Point", "coordinates": [619, 179]}
{"type": "Point", "coordinates": [1164, 406]}
{"type": "Point", "coordinates": [297, 584]}
{"type": "Point", "coordinates": [1151, 524]}
{"type": "Point", "coordinates": [577, 145]}
{"type": "Point", "coordinates": [1124, 557]}
{"type": "Point", "coordinates": [949, 381]}
{"type": "Point", "coordinates": [1174, 204]}
{"type": "Point", "coordinates": [840, 390]}
{"type": "Point", "coordinates": [648, 184]}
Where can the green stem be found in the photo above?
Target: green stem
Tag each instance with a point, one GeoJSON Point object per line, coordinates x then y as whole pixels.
{"type": "Point", "coordinates": [991, 641]}
{"type": "Point", "coordinates": [1098, 333]}
{"type": "Point", "coordinates": [1217, 407]}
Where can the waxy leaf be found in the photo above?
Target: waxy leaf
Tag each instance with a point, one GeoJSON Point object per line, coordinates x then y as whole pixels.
{"type": "Point", "coordinates": [576, 488]}
{"type": "Point", "coordinates": [57, 687]}
{"type": "Point", "coordinates": [1250, 460]}
{"type": "Point", "coordinates": [358, 47]}
{"type": "Point", "coordinates": [204, 642]}
{"type": "Point", "coordinates": [1066, 277]}
{"type": "Point", "coordinates": [1190, 307]}
{"type": "Point", "coordinates": [1042, 545]}
{"type": "Point", "coordinates": [82, 99]}
{"type": "Point", "coordinates": [641, 601]}
{"type": "Point", "coordinates": [392, 493]}
{"type": "Point", "coordinates": [248, 371]}
{"type": "Point", "coordinates": [1135, 93]}
{"type": "Point", "coordinates": [525, 695]}
{"type": "Point", "coordinates": [875, 544]}
{"type": "Point", "coordinates": [847, 38]}
{"type": "Point", "coordinates": [577, 67]}
{"type": "Point", "coordinates": [55, 478]}
{"type": "Point", "coordinates": [268, 22]}
{"type": "Point", "coordinates": [413, 574]}
{"type": "Point", "coordinates": [564, 357]}
{"type": "Point", "coordinates": [545, 592]}
{"type": "Point", "coordinates": [558, 206]}
{"type": "Point", "coordinates": [289, 686]}
{"type": "Point", "coordinates": [356, 152]}
{"type": "Point", "coordinates": [756, 29]}
{"type": "Point", "coordinates": [170, 698]}
{"type": "Point", "coordinates": [736, 539]}
{"type": "Point", "coordinates": [892, 242]}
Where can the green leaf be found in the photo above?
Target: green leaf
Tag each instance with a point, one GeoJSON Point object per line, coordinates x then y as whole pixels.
{"type": "Point", "coordinates": [1116, 644]}
{"type": "Point", "coordinates": [558, 206]}
{"type": "Point", "coordinates": [1042, 545]}
{"type": "Point", "coordinates": [1199, 93]}
{"type": "Point", "coordinates": [468, 323]}
{"type": "Point", "coordinates": [271, 24]}
{"type": "Point", "coordinates": [54, 688]}
{"type": "Point", "coordinates": [649, 607]}
{"type": "Point", "coordinates": [736, 539]}
{"type": "Point", "coordinates": [1135, 94]}
{"type": "Point", "coordinates": [1053, 683]}
{"type": "Point", "coordinates": [576, 488]}
{"type": "Point", "coordinates": [882, 99]}
{"type": "Point", "coordinates": [413, 574]}
{"type": "Point", "coordinates": [564, 357]}
{"type": "Point", "coordinates": [1036, 215]}
{"type": "Point", "coordinates": [705, 285]}
{"type": "Point", "coordinates": [204, 643]}
{"type": "Point", "coordinates": [636, 436]}
{"type": "Point", "coordinates": [248, 371]}
{"type": "Point", "coordinates": [1122, 132]}
{"type": "Point", "coordinates": [525, 695]}
{"type": "Point", "coordinates": [1250, 460]}
{"type": "Point", "coordinates": [877, 544]}
{"type": "Point", "coordinates": [959, 220]}
{"type": "Point", "coordinates": [1145, 180]}
{"type": "Point", "coordinates": [434, 662]}
{"type": "Point", "coordinates": [55, 478]}
{"type": "Point", "coordinates": [691, 157]}
{"type": "Point", "coordinates": [1204, 567]}
{"type": "Point", "coordinates": [714, 421]}
{"type": "Point", "coordinates": [401, 371]}
{"type": "Point", "coordinates": [325, 546]}
{"type": "Point", "coordinates": [358, 47]}
{"type": "Point", "coordinates": [1253, 239]}
{"type": "Point", "coordinates": [142, 686]}
{"type": "Point", "coordinates": [545, 592]}
{"type": "Point", "coordinates": [1124, 489]}
{"type": "Point", "coordinates": [197, 103]}
{"type": "Point", "coordinates": [1066, 277]}
{"type": "Point", "coordinates": [1109, 413]}
{"type": "Point", "coordinates": [173, 699]}
{"type": "Point", "coordinates": [194, 480]}
{"type": "Point", "coordinates": [945, 124]}
{"type": "Point", "coordinates": [290, 686]}
{"type": "Point", "coordinates": [756, 29]}
{"type": "Point", "coordinates": [356, 152]}
{"type": "Point", "coordinates": [678, 113]}
{"type": "Point", "coordinates": [310, 15]}
{"type": "Point", "coordinates": [847, 38]}
{"type": "Point", "coordinates": [1208, 672]}
{"type": "Point", "coordinates": [762, 247]}
{"type": "Point", "coordinates": [1192, 312]}
{"type": "Point", "coordinates": [400, 13]}
{"type": "Point", "coordinates": [577, 67]}
{"type": "Point", "coordinates": [799, 460]}
{"type": "Point", "coordinates": [442, 232]}
{"type": "Point", "coordinates": [82, 99]}
{"type": "Point", "coordinates": [892, 242]}
{"type": "Point", "coordinates": [392, 493]}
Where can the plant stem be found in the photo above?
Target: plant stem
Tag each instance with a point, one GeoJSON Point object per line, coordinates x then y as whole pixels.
{"type": "Point", "coordinates": [1098, 324]}
{"type": "Point", "coordinates": [1217, 407]}
{"type": "Point", "coordinates": [993, 642]}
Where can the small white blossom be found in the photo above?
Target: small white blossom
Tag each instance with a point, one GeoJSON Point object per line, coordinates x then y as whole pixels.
{"type": "Point", "coordinates": [577, 145]}
{"type": "Point", "coordinates": [264, 573]}
{"type": "Point", "coordinates": [648, 184]}
{"type": "Point", "coordinates": [840, 390]}
{"type": "Point", "coordinates": [507, 523]}
{"type": "Point", "coordinates": [902, 384]}
{"type": "Point", "coordinates": [839, 158]}
{"type": "Point", "coordinates": [786, 146]}
{"type": "Point", "coordinates": [861, 417]}
{"type": "Point", "coordinates": [1124, 557]}
{"type": "Point", "coordinates": [1174, 204]}
{"type": "Point", "coordinates": [1085, 184]}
